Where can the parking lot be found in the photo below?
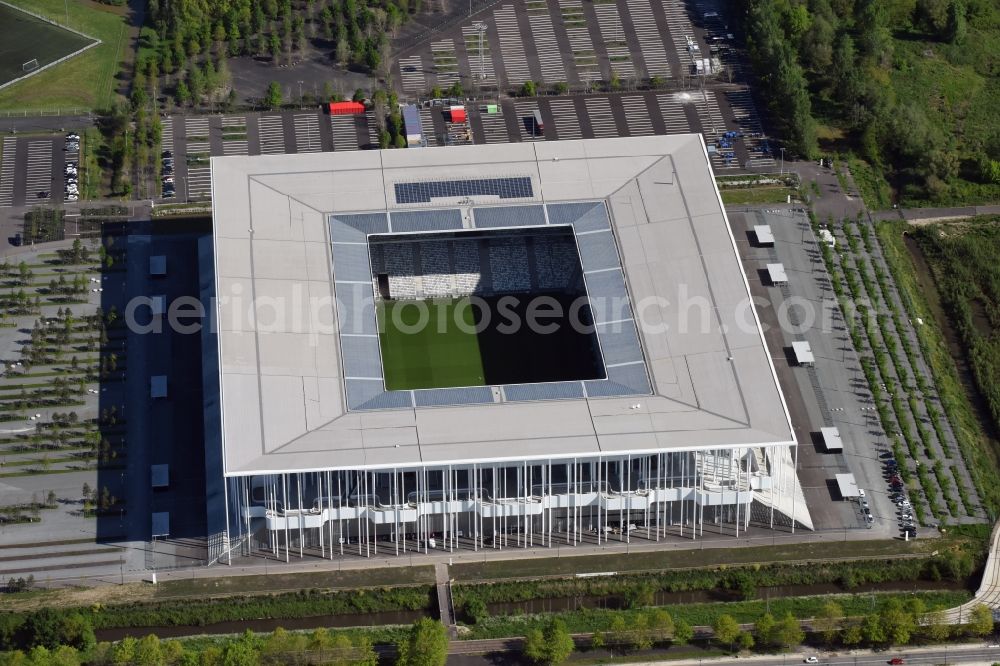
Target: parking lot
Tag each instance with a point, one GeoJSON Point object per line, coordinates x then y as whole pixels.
{"type": "Point", "coordinates": [33, 169]}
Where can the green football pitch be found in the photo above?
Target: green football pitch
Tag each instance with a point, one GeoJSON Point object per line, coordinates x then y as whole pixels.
{"type": "Point", "coordinates": [24, 37]}
{"type": "Point", "coordinates": [451, 349]}
{"type": "Point", "coordinates": [432, 355]}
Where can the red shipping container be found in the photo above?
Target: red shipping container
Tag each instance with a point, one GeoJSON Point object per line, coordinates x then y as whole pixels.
{"type": "Point", "coordinates": [457, 114]}
{"type": "Point", "coordinates": [346, 108]}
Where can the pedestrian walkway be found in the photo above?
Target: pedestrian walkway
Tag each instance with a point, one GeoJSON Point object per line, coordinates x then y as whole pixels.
{"type": "Point", "coordinates": [272, 135]}
{"type": "Point", "coordinates": [7, 172]}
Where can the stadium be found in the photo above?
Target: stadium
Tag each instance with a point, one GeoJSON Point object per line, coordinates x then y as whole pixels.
{"type": "Point", "coordinates": [484, 347]}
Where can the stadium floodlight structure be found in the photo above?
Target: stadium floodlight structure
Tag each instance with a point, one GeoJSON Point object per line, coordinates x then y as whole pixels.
{"type": "Point", "coordinates": [678, 428]}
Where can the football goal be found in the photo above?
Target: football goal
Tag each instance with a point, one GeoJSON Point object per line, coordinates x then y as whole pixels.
{"type": "Point", "coordinates": [30, 66]}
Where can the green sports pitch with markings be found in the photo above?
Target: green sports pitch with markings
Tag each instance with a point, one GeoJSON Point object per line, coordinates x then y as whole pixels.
{"type": "Point", "coordinates": [24, 38]}
{"type": "Point", "coordinates": [443, 343]}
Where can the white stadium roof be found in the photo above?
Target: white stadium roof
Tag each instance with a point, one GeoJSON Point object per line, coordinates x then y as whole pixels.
{"type": "Point", "coordinates": [285, 403]}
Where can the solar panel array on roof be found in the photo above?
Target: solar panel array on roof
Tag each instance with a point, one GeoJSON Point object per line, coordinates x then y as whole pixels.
{"type": "Point", "coordinates": [505, 188]}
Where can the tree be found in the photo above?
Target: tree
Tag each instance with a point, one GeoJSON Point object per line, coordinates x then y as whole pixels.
{"type": "Point", "coordinates": [683, 632]}
{"type": "Point", "coordinates": [660, 625]}
{"type": "Point", "coordinates": [641, 595]}
{"type": "Point", "coordinates": [359, 96]}
{"type": "Point", "coordinates": [765, 629]}
{"type": "Point", "coordinates": [552, 646]}
{"type": "Point", "coordinates": [272, 99]}
{"type": "Point", "coordinates": [561, 88]}
{"type": "Point", "coordinates": [897, 624]}
{"type": "Point", "coordinates": [726, 629]}
{"type": "Point", "coordinates": [426, 645]}
{"type": "Point", "coordinates": [149, 652]}
{"type": "Point", "coordinates": [851, 634]}
{"type": "Point", "coordinates": [956, 28]}
{"type": "Point", "coordinates": [788, 631]}
{"type": "Point", "coordinates": [980, 620]}
{"type": "Point", "coordinates": [936, 627]}
{"type": "Point", "coordinates": [745, 640]}
{"type": "Point", "coordinates": [528, 89]}
{"type": "Point", "coordinates": [872, 630]}
{"type": "Point", "coordinates": [827, 621]}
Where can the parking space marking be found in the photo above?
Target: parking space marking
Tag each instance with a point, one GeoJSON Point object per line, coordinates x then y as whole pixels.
{"type": "Point", "coordinates": [272, 135]}
{"type": "Point", "coordinates": [427, 127]}
{"type": "Point", "coordinates": [745, 113]}
{"type": "Point", "coordinates": [494, 127]}
{"type": "Point", "coordinates": [613, 33]}
{"type": "Point", "coordinates": [525, 111]}
{"type": "Point", "coordinates": [372, 128]}
{"type": "Point", "coordinates": [7, 171]}
{"type": "Point", "coordinates": [445, 63]}
{"type": "Point", "coordinates": [674, 117]}
{"type": "Point", "coordinates": [549, 56]}
{"type": "Point", "coordinates": [567, 122]}
{"type": "Point", "coordinates": [511, 45]}
{"type": "Point", "coordinates": [167, 134]}
{"type": "Point", "coordinates": [411, 73]}
{"type": "Point", "coordinates": [637, 116]}
{"type": "Point", "coordinates": [679, 24]}
{"type": "Point", "coordinates": [601, 120]}
{"type": "Point", "coordinates": [481, 65]}
{"type": "Point", "coordinates": [712, 122]}
{"type": "Point", "coordinates": [307, 133]}
{"type": "Point", "coordinates": [39, 177]}
{"type": "Point", "coordinates": [584, 55]}
{"type": "Point", "coordinates": [345, 133]}
{"type": "Point", "coordinates": [199, 183]}
{"type": "Point", "coordinates": [234, 127]}
{"type": "Point", "coordinates": [648, 35]}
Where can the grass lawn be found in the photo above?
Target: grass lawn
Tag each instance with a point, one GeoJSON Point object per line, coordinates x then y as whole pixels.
{"type": "Point", "coordinates": [743, 196]}
{"type": "Point", "coordinates": [436, 354]}
{"type": "Point", "coordinates": [86, 81]}
{"type": "Point", "coordinates": [25, 37]}
{"type": "Point", "coordinates": [658, 560]}
{"type": "Point", "coordinates": [317, 580]}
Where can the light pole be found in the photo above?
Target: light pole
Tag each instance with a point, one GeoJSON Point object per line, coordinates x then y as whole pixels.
{"type": "Point", "coordinates": [300, 93]}
{"type": "Point", "coordinates": [782, 161]}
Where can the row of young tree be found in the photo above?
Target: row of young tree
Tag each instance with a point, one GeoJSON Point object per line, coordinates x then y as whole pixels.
{"type": "Point", "coordinates": [838, 55]}
{"type": "Point", "coordinates": [53, 639]}
{"type": "Point", "coordinates": [188, 41]}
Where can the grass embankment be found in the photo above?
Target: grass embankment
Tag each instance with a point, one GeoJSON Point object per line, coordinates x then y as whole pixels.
{"type": "Point", "coordinates": [86, 81]}
{"type": "Point", "coordinates": [740, 582]}
{"type": "Point", "coordinates": [977, 449]}
{"type": "Point", "coordinates": [666, 560]}
{"type": "Point", "coordinates": [757, 195]}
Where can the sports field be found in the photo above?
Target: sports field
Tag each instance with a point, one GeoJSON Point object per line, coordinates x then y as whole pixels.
{"type": "Point", "coordinates": [24, 37]}
{"type": "Point", "coordinates": [451, 349]}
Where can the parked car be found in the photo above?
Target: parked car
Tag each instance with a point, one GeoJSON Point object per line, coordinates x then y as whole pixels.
{"type": "Point", "coordinates": [896, 661]}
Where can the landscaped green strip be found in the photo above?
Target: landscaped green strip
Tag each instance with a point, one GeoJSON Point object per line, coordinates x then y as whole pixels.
{"type": "Point", "coordinates": [980, 457]}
